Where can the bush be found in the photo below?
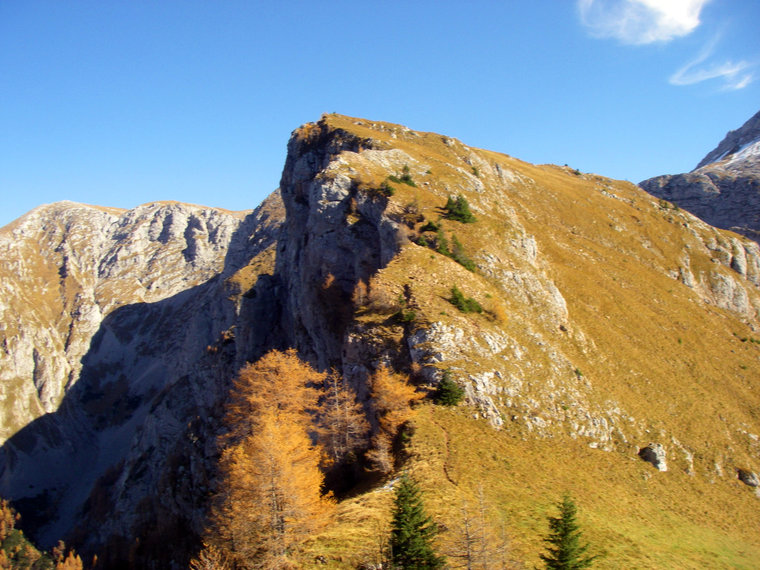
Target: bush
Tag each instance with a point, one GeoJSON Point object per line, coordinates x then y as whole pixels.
{"type": "Point", "coordinates": [448, 392]}
{"type": "Point", "coordinates": [406, 315]}
{"type": "Point", "coordinates": [405, 178]}
{"type": "Point", "coordinates": [442, 244]}
{"type": "Point", "coordinates": [430, 227]}
{"type": "Point", "coordinates": [387, 190]}
{"type": "Point", "coordinates": [464, 304]}
{"type": "Point", "coordinates": [458, 209]}
{"type": "Point", "coordinates": [458, 254]}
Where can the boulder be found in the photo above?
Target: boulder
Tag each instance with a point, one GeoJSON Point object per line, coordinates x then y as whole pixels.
{"type": "Point", "coordinates": [654, 453]}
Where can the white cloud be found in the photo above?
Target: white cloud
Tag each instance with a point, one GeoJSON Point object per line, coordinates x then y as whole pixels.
{"type": "Point", "coordinates": [734, 75]}
{"type": "Point", "coordinates": [641, 21]}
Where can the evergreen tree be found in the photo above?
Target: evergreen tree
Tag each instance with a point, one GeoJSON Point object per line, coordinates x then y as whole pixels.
{"type": "Point", "coordinates": [565, 551]}
{"type": "Point", "coordinates": [459, 209]}
{"type": "Point", "coordinates": [412, 531]}
{"type": "Point", "coordinates": [448, 392]}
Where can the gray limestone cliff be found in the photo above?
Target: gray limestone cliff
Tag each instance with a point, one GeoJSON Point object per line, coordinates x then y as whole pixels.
{"type": "Point", "coordinates": [118, 335]}
{"type": "Point", "coordinates": [724, 188]}
{"type": "Point", "coordinates": [122, 329]}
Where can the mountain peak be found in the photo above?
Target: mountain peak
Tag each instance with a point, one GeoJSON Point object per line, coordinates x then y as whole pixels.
{"type": "Point", "coordinates": [739, 145]}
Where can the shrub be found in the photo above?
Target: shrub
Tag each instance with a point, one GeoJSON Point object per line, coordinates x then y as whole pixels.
{"type": "Point", "coordinates": [464, 304]}
{"type": "Point", "coordinates": [386, 189]}
{"type": "Point", "coordinates": [406, 315]}
{"type": "Point", "coordinates": [458, 254]}
{"type": "Point", "coordinates": [448, 392]}
{"type": "Point", "coordinates": [459, 210]}
{"type": "Point", "coordinates": [430, 227]}
{"type": "Point", "coordinates": [405, 178]}
{"type": "Point", "coordinates": [442, 244]}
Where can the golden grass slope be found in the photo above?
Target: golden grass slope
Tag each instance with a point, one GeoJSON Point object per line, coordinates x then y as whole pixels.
{"type": "Point", "coordinates": [615, 320]}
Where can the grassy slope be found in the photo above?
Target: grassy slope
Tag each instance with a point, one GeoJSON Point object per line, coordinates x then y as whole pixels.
{"type": "Point", "coordinates": [643, 340]}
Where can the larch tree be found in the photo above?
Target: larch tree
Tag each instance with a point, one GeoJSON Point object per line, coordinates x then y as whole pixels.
{"type": "Point", "coordinates": [392, 398]}
{"type": "Point", "coordinates": [269, 500]}
{"type": "Point", "coordinates": [473, 543]}
{"type": "Point", "coordinates": [344, 428]}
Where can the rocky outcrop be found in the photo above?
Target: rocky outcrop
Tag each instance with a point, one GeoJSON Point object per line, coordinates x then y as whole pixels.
{"type": "Point", "coordinates": [604, 314]}
{"type": "Point", "coordinates": [724, 189]}
{"type": "Point", "coordinates": [748, 477]}
{"type": "Point", "coordinates": [654, 453]}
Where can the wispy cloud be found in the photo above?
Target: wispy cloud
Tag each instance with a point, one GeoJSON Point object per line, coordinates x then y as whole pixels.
{"type": "Point", "coordinates": [640, 22]}
{"type": "Point", "coordinates": [735, 75]}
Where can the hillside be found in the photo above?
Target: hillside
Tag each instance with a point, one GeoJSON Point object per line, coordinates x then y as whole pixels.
{"type": "Point", "coordinates": [612, 320]}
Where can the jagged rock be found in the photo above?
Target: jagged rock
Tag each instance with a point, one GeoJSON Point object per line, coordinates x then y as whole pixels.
{"type": "Point", "coordinates": [135, 322]}
{"type": "Point", "coordinates": [654, 453]}
{"type": "Point", "coordinates": [748, 477]}
{"type": "Point", "coordinates": [724, 188]}
{"type": "Point", "coordinates": [106, 325]}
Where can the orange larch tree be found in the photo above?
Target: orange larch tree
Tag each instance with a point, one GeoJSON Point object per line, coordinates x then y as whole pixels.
{"type": "Point", "coordinates": [344, 429]}
{"type": "Point", "coordinates": [270, 500]}
{"type": "Point", "coordinates": [392, 398]}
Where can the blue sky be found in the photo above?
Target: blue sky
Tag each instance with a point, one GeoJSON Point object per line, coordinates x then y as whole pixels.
{"type": "Point", "coordinates": [118, 103]}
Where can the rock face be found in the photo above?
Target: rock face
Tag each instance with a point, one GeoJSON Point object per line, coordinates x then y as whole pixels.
{"type": "Point", "coordinates": [654, 453]}
{"type": "Point", "coordinates": [605, 314]}
{"type": "Point", "coordinates": [114, 354]}
{"type": "Point", "coordinates": [724, 188]}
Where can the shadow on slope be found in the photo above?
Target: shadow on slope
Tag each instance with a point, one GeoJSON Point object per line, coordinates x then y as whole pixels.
{"type": "Point", "coordinates": [122, 468]}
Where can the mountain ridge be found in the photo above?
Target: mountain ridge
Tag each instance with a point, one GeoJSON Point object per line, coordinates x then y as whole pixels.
{"type": "Point", "coordinates": [724, 188]}
{"type": "Point", "coordinates": [611, 321]}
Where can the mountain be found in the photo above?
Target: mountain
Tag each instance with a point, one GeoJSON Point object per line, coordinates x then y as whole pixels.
{"type": "Point", "coordinates": [616, 356]}
{"type": "Point", "coordinates": [724, 188]}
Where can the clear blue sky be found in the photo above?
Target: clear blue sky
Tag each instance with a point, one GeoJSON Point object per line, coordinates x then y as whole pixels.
{"type": "Point", "coordinates": [118, 103]}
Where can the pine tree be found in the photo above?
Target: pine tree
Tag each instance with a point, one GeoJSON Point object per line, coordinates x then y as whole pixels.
{"type": "Point", "coordinates": [412, 531]}
{"type": "Point", "coordinates": [448, 392]}
{"type": "Point", "coordinates": [565, 551]}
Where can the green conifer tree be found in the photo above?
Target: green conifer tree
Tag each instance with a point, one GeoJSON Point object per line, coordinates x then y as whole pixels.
{"type": "Point", "coordinates": [448, 392]}
{"type": "Point", "coordinates": [565, 551]}
{"type": "Point", "coordinates": [412, 531]}
{"type": "Point", "coordinates": [459, 209]}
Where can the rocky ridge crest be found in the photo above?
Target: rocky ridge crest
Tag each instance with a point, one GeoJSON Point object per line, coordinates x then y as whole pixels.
{"type": "Point", "coordinates": [610, 319]}
{"type": "Point", "coordinates": [724, 188]}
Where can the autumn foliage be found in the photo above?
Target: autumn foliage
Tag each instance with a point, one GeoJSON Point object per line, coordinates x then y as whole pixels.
{"type": "Point", "coordinates": [269, 500]}
{"type": "Point", "coordinates": [344, 427]}
{"type": "Point", "coordinates": [392, 397]}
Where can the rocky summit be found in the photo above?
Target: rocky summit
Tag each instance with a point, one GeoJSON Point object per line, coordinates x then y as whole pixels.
{"type": "Point", "coordinates": [615, 353]}
{"type": "Point", "coordinates": [724, 188]}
